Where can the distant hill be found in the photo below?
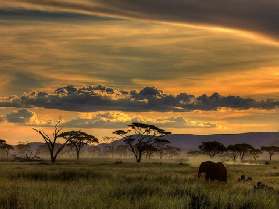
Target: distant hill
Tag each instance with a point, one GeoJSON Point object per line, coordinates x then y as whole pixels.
{"type": "Point", "coordinates": [192, 142]}
{"type": "Point", "coordinates": [257, 139]}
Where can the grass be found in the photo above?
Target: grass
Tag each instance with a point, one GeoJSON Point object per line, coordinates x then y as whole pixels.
{"type": "Point", "coordinates": [109, 185]}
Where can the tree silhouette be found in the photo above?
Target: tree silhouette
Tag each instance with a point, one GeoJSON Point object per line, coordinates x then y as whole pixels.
{"type": "Point", "coordinates": [78, 139]}
{"type": "Point", "coordinates": [243, 149]}
{"type": "Point", "coordinates": [271, 150]}
{"type": "Point", "coordinates": [212, 148]}
{"type": "Point", "coordinates": [141, 136]}
{"type": "Point", "coordinates": [54, 147]}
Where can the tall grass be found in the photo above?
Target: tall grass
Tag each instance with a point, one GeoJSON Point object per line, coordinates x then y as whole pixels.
{"type": "Point", "coordinates": [94, 185]}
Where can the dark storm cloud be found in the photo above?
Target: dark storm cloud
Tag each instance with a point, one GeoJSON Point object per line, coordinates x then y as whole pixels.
{"type": "Point", "coordinates": [257, 15]}
{"type": "Point", "coordinates": [101, 98]}
{"type": "Point", "coordinates": [36, 15]}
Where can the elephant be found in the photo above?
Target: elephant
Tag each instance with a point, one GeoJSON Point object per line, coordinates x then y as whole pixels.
{"type": "Point", "coordinates": [213, 171]}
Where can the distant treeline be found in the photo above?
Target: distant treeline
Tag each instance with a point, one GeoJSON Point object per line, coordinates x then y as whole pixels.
{"type": "Point", "coordinates": [138, 140]}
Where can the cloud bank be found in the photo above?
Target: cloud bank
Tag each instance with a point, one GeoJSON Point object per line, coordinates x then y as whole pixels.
{"type": "Point", "coordinates": [117, 120]}
{"type": "Point", "coordinates": [103, 120]}
{"type": "Point", "coordinates": [94, 98]}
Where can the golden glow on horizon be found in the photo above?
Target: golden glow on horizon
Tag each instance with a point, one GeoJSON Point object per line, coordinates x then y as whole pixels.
{"type": "Point", "coordinates": [258, 83]}
{"type": "Point", "coordinates": [226, 120]}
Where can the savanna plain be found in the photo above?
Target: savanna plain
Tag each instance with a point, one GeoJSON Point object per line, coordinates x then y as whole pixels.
{"type": "Point", "coordinates": [109, 184]}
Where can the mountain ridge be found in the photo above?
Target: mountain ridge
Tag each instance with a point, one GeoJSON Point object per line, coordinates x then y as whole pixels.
{"type": "Point", "coordinates": [192, 141]}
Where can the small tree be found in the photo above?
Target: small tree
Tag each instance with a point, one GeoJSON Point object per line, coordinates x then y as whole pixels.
{"type": "Point", "coordinates": [271, 150]}
{"type": "Point", "coordinates": [140, 136]}
{"type": "Point", "coordinates": [54, 147]}
{"type": "Point", "coordinates": [78, 139]}
{"type": "Point", "coordinates": [212, 148]}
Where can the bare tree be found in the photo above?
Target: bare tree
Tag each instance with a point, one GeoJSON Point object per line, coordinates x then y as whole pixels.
{"type": "Point", "coordinates": [141, 136]}
{"type": "Point", "coordinates": [78, 139]}
{"type": "Point", "coordinates": [54, 147]}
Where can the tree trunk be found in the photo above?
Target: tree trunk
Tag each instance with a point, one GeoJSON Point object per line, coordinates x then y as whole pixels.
{"type": "Point", "coordinates": [242, 156]}
{"type": "Point", "coordinates": [77, 152]}
{"type": "Point", "coordinates": [139, 157]}
{"type": "Point", "coordinates": [52, 156]}
{"type": "Point", "coordinates": [53, 159]}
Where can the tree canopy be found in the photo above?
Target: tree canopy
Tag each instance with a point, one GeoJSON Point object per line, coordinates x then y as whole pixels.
{"type": "Point", "coordinates": [141, 137]}
{"type": "Point", "coordinates": [78, 139]}
{"type": "Point", "coordinates": [212, 148]}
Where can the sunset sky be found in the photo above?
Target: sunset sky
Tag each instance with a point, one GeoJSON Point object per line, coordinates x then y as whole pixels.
{"type": "Point", "coordinates": [188, 66]}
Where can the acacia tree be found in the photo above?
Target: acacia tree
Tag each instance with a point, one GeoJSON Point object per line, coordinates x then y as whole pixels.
{"type": "Point", "coordinates": [271, 150]}
{"type": "Point", "coordinates": [78, 139]}
{"type": "Point", "coordinates": [212, 148]}
{"type": "Point", "coordinates": [243, 149]}
{"type": "Point", "coordinates": [53, 146]}
{"type": "Point", "coordinates": [140, 136]}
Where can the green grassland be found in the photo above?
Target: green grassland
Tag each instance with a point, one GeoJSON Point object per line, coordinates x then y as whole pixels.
{"type": "Point", "coordinates": [103, 184]}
